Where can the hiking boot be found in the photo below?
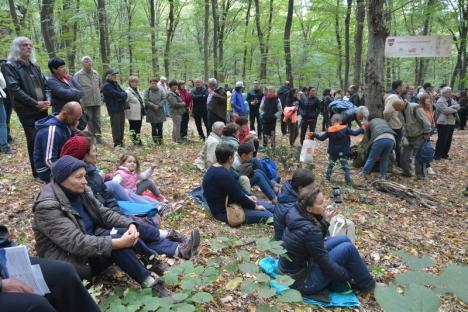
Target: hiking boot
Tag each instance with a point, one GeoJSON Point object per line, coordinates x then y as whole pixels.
{"type": "Point", "coordinates": [190, 248]}
{"type": "Point", "coordinates": [159, 267]}
{"type": "Point", "coordinates": [176, 237]}
{"type": "Point", "coordinates": [162, 292]}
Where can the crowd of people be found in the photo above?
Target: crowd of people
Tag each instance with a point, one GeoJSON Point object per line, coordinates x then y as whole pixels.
{"type": "Point", "coordinates": [92, 227]}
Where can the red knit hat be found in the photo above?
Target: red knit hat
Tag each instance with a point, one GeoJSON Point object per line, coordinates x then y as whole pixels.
{"type": "Point", "coordinates": [77, 146]}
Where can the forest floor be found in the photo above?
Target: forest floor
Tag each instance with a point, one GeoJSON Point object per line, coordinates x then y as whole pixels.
{"type": "Point", "coordinates": [384, 223]}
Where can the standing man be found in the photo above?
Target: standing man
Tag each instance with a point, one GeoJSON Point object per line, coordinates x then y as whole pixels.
{"type": "Point", "coordinates": [64, 88]}
{"type": "Point", "coordinates": [27, 89]}
{"type": "Point", "coordinates": [394, 105]}
{"type": "Point", "coordinates": [89, 80]}
{"type": "Point", "coordinates": [200, 112]}
{"type": "Point", "coordinates": [254, 97]}
{"type": "Point", "coordinates": [217, 103]}
{"type": "Point", "coordinates": [309, 110]}
{"type": "Point", "coordinates": [115, 98]}
{"type": "Point", "coordinates": [354, 95]}
{"type": "Point", "coordinates": [51, 134]}
{"type": "Point", "coordinates": [283, 93]}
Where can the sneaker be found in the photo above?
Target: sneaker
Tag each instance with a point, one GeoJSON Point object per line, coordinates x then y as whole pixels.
{"type": "Point", "coordinates": [176, 237]}
{"type": "Point", "coordinates": [162, 292]}
{"type": "Point", "coordinates": [190, 248]}
{"type": "Point", "coordinates": [430, 171]}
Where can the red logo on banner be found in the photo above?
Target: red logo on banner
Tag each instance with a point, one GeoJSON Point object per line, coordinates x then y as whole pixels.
{"type": "Point", "coordinates": [391, 42]}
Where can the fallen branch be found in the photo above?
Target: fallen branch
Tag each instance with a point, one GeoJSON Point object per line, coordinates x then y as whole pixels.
{"type": "Point", "coordinates": [401, 191]}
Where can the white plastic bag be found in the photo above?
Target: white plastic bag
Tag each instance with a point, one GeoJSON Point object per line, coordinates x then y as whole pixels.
{"type": "Point", "coordinates": [339, 225]}
{"type": "Point", "coordinates": [308, 151]}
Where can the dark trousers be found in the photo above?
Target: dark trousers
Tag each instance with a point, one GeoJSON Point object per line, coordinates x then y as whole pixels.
{"type": "Point", "coordinates": [398, 137]}
{"type": "Point", "coordinates": [135, 130]}
{"type": "Point", "coordinates": [212, 118]}
{"type": "Point", "coordinates": [149, 234]}
{"type": "Point", "coordinates": [344, 253]}
{"type": "Point", "coordinates": [252, 216]}
{"type": "Point", "coordinates": [118, 125]}
{"type": "Point", "coordinates": [462, 113]}
{"type": "Point", "coordinates": [184, 124]}
{"type": "Point", "coordinates": [293, 132]}
{"type": "Point", "coordinates": [284, 126]}
{"type": "Point", "coordinates": [94, 119]}
{"type": "Point", "coordinates": [269, 129]}
{"type": "Point", "coordinates": [254, 114]}
{"type": "Point", "coordinates": [201, 115]}
{"type": "Point", "coordinates": [27, 121]}
{"type": "Point", "coordinates": [67, 293]}
{"type": "Point", "coordinates": [157, 132]}
{"type": "Point", "coordinates": [147, 185]}
{"type": "Point", "coordinates": [325, 121]}
{"type": "Point", "coordinates": [444, 140]}
{"type": "Point", "coordinates": [307, 123]}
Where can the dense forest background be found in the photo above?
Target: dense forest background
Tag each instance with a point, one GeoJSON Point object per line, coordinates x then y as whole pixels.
{"type": "Point", "coordinates": [322, 43]}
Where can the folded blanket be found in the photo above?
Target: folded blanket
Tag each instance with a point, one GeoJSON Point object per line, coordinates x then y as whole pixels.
{"type": "Point", "coordinates": [349, 299]}
{"type": "Point", "coordinates": [197, 195]}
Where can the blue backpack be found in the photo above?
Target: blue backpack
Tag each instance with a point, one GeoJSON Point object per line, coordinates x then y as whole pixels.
{"type": "Point", "coordinates": [426, 153]}
{"type": "Point", "coordinates": [270, 168]}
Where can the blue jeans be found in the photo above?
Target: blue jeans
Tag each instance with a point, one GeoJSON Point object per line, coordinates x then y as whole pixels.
{"type": "Point", "coordinates": [121, 193]}
{"type": "Point", "coordinates": [252, 216]}
{"type": "Point", "coordinates": [344, 253]}
{"type": "Point", "coordinates": [126, 258]}
{"type": "Point", "coordinates": [260, 178]}
{"type": "Point", "coordinates": [3, 125]}
{"type": "Point", "coordinates": [380, 148]}
{"type": "Point", "coordinates": [149, 234]}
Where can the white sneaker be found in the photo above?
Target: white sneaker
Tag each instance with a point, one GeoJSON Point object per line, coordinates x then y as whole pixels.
{"type": "Point", "coordinates": [430, 171]}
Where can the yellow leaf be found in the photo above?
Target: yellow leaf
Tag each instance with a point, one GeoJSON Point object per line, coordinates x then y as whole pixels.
{"type": "Point", "coordinates": [234, 283]}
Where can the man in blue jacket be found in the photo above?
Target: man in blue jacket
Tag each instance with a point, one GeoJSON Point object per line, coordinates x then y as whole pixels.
{"type": "Point", "coordinates": [51, 134]}
{"type": "Point", "coordinates": [115, 98]}
{"type": "Point", "coordinates": [63, 88]}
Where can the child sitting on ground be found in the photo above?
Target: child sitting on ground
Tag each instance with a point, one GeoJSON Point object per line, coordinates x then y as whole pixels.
{"type": "Point", "coordinates": [287, 197]}
{"type": "Point", "coordinates": [245, 136]}
{"type": "Point", "coordinates": [128, 175]}
{"type": "Point", "coordinates": [270, 111]}
{"type": "Point", "coordinates": [251, 167]}
{"type": "Point", "coordinates": [338, 146]}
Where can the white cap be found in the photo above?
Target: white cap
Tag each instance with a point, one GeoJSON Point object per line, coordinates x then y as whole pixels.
{"type": "Point", "coordinates": [239, 84]}
{"type": "Point", "coordinates": [162, 78]}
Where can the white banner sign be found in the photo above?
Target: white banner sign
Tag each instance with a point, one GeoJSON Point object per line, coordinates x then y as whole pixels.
{"type": "Point", "coordinates": [419, 46]}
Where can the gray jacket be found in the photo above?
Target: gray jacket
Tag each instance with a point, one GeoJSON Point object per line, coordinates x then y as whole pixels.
{"type": "Point", "coordinates": [91, 84]}
{"type": "Point", "coordinates": [446, 114]}
{"type": "Point", "coordinates": [176, 105]}
{"type": "Point", "coordinates": [154, 106]}
{"type": "Point", "coordinates": [414, 121]}
{"type": "Point", "coordinates": [60, 233]}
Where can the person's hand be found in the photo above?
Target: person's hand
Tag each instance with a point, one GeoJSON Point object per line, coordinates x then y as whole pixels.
{"type": "Point", "coordinates": [252, 198]}
{"type": "Point", "coordinates": [260, 207]}
{"type": "Point", "coordinates": [133, 231]}
{"type": "Point", "coordinates": [127, 240]}
{"type": "Point", "coordinates": [43, 105]}
{"type": "Point", "coordinates": [154, 165]}
{"type": "Point", "coordinates": [13, 285]}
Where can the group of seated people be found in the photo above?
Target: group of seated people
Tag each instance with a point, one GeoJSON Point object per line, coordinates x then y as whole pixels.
{"type": "Point", "coordinates": [316, 261]}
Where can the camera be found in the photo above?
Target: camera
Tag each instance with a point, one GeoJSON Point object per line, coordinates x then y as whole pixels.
{"type": "Point", "coordinates": [337, 199]}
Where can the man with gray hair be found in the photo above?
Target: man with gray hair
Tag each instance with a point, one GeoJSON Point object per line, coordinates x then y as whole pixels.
{"type": "Point", "coordinates": [91, 101]}
{"type": "Point", "coordinates": [207, 156]}
{"type": "Point", "coordinates": [446, 112]}
{"type": "Point", "coordinates": [27, 89]}
{"type": "Point", "coordinates": [217, 103]}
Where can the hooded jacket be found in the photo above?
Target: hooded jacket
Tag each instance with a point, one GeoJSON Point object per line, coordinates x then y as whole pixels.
{"type": "Point", "coordinates": [286, 199]}
{"type": "Point", "coordinates": [99, 188]}
{"type": "Point", "coordinates": [304, 244]}
{"type": "Point", "coordinates": [339, 139]}
{"type": "Point", "coordinates": [51, 135]}
{"type": "Point", "coordinates": [60, 233]}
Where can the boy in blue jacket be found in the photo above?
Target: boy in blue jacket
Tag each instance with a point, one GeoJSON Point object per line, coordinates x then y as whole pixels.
{"type": "Point", "coordinates": [339, 146]}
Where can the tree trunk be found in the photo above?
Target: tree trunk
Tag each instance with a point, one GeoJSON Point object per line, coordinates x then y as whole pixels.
{"type": "Point", "coordinates": [346, 22]}
{"type": "Point", "coordinates": [14, 17]}
{"type": "Point", "coordinates": [268, 35]}
{"type": "Point", "coordinates": [154, 47]}
{"type": "Point", "coordinates": [226, 5]}
{"type": "Point", "coordinates": [69, 28]}
{"type": "Point", "coordinates": [214, 11]}
{"type": "Point", "coordinates": [103, 35]}
{"type": "Point", "coordinates": [244, 58]}
{"type": "Point", "coordinates": [360, 17]}
{"type": "Point", "coordinates": [463, 29]}
{"type": "Point", "coordinates": [261, 43]}
{"type": "Point", "coordinates": [338, 42]}
{"type": "Point", "coordinates": [169, 34]}
{"type": "Point", "coordinates": [375, 57]}
{"type": "Point", "coordinates": [47, 26]}
{"type": "Point", "coordinates": [287, 42]}
{"type": "Point", "coordinates": [206, 48]}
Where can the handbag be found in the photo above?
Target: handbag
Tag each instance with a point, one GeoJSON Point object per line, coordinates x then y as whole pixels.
{"type": "Point", "coordinates": [235, 214]}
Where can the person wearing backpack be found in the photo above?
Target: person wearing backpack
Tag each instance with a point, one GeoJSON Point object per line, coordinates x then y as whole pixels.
{"type": "Point", "coordinates": [416, 130]}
